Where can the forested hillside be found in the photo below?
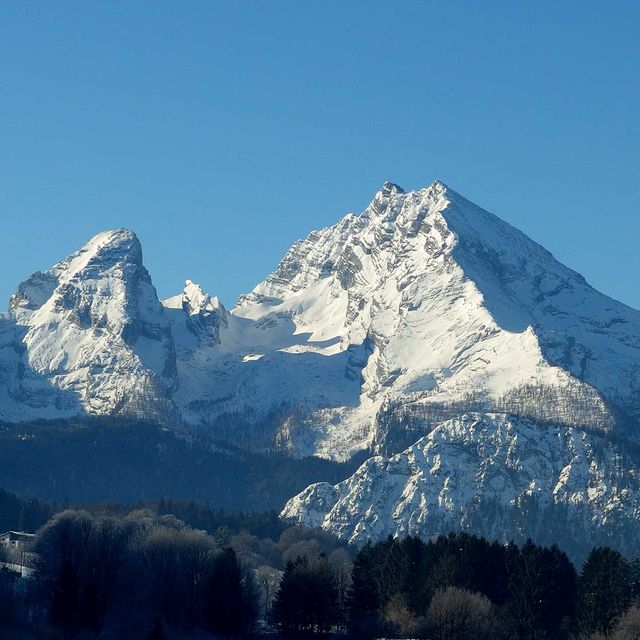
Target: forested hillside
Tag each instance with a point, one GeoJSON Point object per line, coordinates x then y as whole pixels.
{"type": "Point", "coordinates": [126, 461]}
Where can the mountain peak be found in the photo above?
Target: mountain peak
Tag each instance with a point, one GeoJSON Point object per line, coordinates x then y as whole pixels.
{"type": "Point", "coordinates": [388, 187]}
{"type": "Point", "coordinates": [121, 234]}
{"type": "Point", "coordinates": [118, 242]}
{"type": "Point", "coordinates": [392, 188]}
{"type": "Point", "coordinates": [195, 300]}
{"type": "Point", "coordinates": [391, 200]}
{"type": "Point", "coordinates": [92, 328]}
{"type": "Point", "coordinates": [439, 185]}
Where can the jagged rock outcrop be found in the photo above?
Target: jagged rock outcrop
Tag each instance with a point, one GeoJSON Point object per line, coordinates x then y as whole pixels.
{"type": "Point", "coordinates": [502, 477]}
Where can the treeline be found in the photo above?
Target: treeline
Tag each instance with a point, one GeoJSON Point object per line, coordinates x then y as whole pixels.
{"type": "Point", "coordinates": [262, 540]}
{"type": "Point", "coordinates": [460, 587]}
{"type": "Point", "coordinates": [574, 405]}
{"type": "Point", "coordinates": [114, 571]}
{"type": "Point", "coordinates": [218, 521]}
{"type": "Point", "coordinates": [143, 573]}
{"type": "Point", "coordinates": [29, 514]}
{"type": "Point", "coordinates": [402, 422]}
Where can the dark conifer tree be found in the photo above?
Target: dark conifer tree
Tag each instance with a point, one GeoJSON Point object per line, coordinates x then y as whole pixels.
{"type": "Point", "coordinates": [542, 591]}
{"type": "Point", "coordinates": [64, 603]}
{"type": "Point", "coordinates": [89, 608]}
{"type": "Point", "coordinates": [285, 610]}
{"type": "Point", "coordinates": [364, 596]}
{"type": "Point", "coordinates": [225, 604]}
{"type": "Point", "coordinates": [414, 584]}
{"type": "Point", "coordinates": [605, 589]}
{"type": "Point", "coordinates": [157, 630]}
{"type": "Point", "coordinates": [307, 600]}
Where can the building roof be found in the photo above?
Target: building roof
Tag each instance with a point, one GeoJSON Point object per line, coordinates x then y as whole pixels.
{"type": "Point", "coordinates": [17, 534]}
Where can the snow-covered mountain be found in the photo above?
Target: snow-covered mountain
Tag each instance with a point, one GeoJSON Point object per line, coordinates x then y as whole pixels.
{"type": "Point", "coordinates": [431, 306]}
{"type": "Point", "coordinates": [88, 336]}
{"type": "Point", "coordinates": [368, 334]}
{"type": "Point", "coordinates": [424, 318]}
{"type": "Point", "coordinates": [500, 476]}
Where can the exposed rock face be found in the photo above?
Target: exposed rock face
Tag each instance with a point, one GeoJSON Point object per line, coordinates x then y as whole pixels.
{"type": "Point", "coordinates": [203, 315]}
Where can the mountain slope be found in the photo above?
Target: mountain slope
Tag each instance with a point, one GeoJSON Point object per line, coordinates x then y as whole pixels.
{"type": "Point", "coordinates": [92, 459]}
{"type": "Point", "coordinates": [502, 477]}
{"type": "Point", "coordinates": [423, 321]}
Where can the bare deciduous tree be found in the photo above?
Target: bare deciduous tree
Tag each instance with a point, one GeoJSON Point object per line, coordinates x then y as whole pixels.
{"type": "Point", "coordinates": [401, 618]}
{"type": "Point", "coordinates": [628, 627]}
{"type": "Point", "coordinates": [268, 580]}
{"type": "Point", "coordinates": [457, 614]}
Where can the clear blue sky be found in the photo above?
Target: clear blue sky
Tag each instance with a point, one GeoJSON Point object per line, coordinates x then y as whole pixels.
{"type": "Point", "coordinates": [223, 131]}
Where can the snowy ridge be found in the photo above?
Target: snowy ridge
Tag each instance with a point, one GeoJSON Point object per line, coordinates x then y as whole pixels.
{"type": "Point", "coordinates": [486, 473]}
